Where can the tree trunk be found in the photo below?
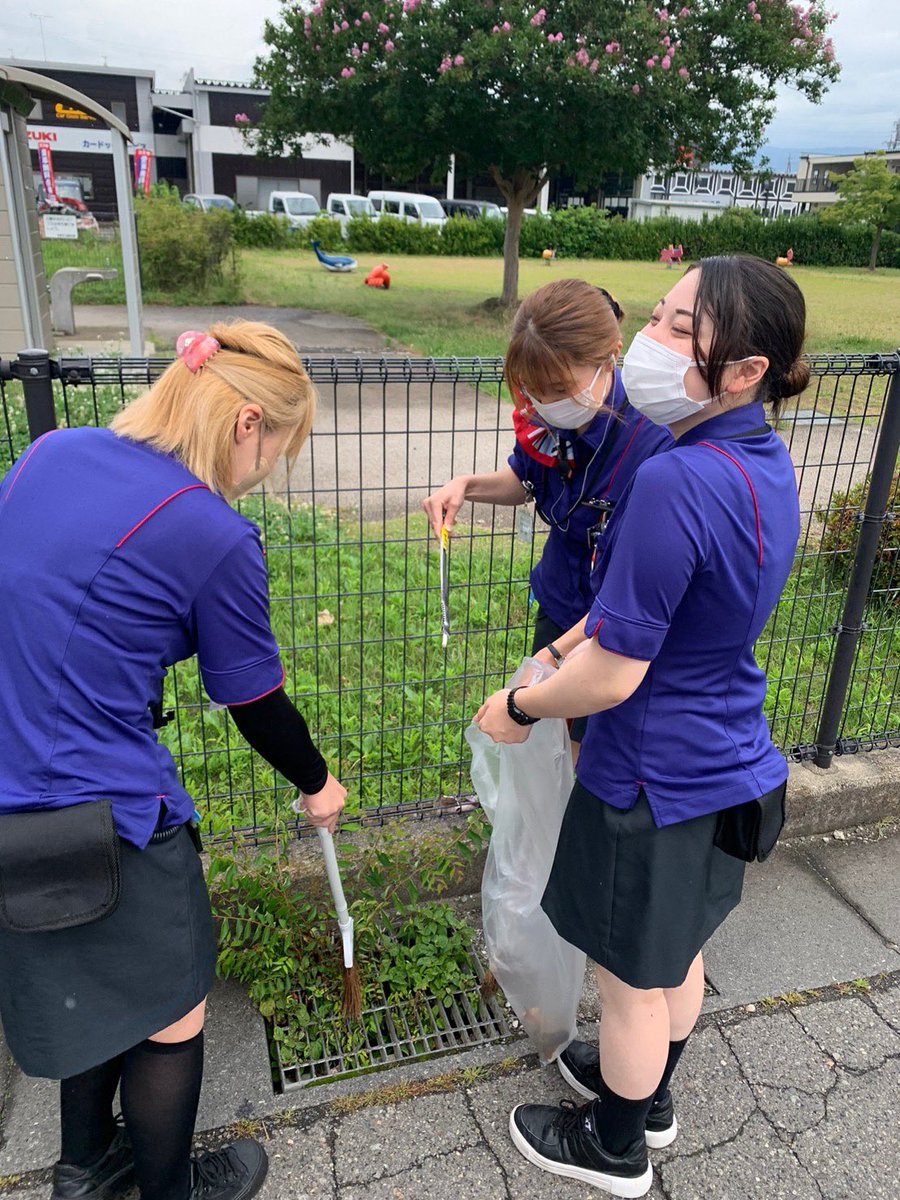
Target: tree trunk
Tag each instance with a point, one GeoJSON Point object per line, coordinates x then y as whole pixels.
{"type": "Point", "coordinates": [510, 295]}
{"type": "Point", "coordinates": [876, 242]}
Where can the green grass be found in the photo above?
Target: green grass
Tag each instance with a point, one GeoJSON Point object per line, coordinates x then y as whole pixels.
{"type": "Point", "coordinates": [434, 305]}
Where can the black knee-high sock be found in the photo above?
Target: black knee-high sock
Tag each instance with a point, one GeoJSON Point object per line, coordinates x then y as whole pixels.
{"type": "Point", "coordinates": [85, 1111]}
{"type": "Point", "coordinates": [676, 1049]}
{"type": "Point", "coordinates": [160, 1093]}
{"type": "Point", "coordinates": [619, 1122]}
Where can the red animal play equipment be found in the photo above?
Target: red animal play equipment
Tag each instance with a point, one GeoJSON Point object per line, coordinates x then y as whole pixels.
{"type": "Point", "coordinates": [378, 277]}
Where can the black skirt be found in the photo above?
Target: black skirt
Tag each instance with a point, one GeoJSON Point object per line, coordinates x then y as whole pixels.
{"type": "Point", "coordinates": [640, 901]}
{"type": "Point", "coordinates": [73, 998]}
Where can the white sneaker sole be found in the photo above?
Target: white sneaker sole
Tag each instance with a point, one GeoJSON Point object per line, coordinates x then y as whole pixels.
{"type": "Point", "coordinates": [616, 1185]}
{"type": "Point", "coordinates": [655, 1139]}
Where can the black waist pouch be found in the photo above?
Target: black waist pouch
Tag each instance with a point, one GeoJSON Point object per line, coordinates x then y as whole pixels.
{"type": "Point", "coordinates": [58, 868]}
{"type": "Point", "coordinates": [749, 831]}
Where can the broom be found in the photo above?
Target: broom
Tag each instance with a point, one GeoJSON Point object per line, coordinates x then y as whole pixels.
{"type": "Point", "coordinates": [352, 1003]}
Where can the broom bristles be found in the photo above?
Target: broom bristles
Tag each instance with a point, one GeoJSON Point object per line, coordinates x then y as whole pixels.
{"type": "Point", "coordinates": [489, 985]}
{"type": "Point", "coordinates": [351, 1008]}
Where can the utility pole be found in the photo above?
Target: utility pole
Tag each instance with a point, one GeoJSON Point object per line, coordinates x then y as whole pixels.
{"type": "Point", "coordinates": [894, 139]}
{"type": "Point", "coordinates": [40, 18]}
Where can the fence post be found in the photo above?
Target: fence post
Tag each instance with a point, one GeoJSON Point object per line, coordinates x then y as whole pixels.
{"type": "Point", "coordinates": [35, 371]}
{"type": "Point", "coordinates": [871, 521]}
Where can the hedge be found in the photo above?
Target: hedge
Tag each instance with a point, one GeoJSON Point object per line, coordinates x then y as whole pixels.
{"type": "Point", "coordinates": [588, 232]}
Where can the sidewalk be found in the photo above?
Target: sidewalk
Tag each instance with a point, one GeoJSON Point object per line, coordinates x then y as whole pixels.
{"type": "Point", "coordinates": [789, 1088]}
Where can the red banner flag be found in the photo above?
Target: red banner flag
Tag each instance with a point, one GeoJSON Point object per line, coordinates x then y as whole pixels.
{"type": "Point", "coordinates": [142, 160]}
{"type": "Point", "coordinates": [45, 166]}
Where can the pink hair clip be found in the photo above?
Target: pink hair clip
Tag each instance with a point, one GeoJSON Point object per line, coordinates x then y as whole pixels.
{"type": "Point", "coordinates": [195, 348]}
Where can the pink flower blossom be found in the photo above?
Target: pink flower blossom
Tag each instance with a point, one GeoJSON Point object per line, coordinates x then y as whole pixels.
{"type": "Point", "coordinates": [335, 29]}
{"type": "Point", "coordinates": [445, 66]}
{"type": "Point", "coordinates": [496, 29]}
{"type": "Point", "coordinates": [595, 66]}
{"type": "Point", "coordinates": [663, 14]}
{"type": "Point", "coordinates": [751, 7]}
{"type": "Point", "coordinates": [636, 88]}
{"type": "Point", "coordinates": [685, 12]}
{"type": "Point", "coordinates": [666, 63]}
{"type": "Point", "coordinates": [684, 73]}
{"type": "Point", "coordinates": [365, 46]}
{"type": "Point", "coordinates": [650, 63]}
{"type": "Point", "coordinates": [348, 72]}
{"type": "Point", "coordinates": [307, 25]}
{"type": "Point", "coordinates": [506, 26]}
{"type": "Point", "coordinates": [667, 41]}
{"type": "Point", "coordinates": [388, 46]}
{"type": "Point", "coordinates": [355, 52]}
{"type": "Point", "coordinates": [554, 37]}
{"type": "Point", "coordinates": [458, 61]}
{"type": "Point", "coordinates": [829, 51]}
{"type": "Point", "coordinates": [612, 47]}
{"type": "Point", "coordinates": [357, 22]}
{"type": "Point", "coordinates": [582, 57]}
{"type": "Point", "coordinates": [539, 17]}
{"type": "Point", "coordinates": [345, 24]}
{"type": "Point", "coordinates": [366, 16]}
{"type": "Point", "coordinates": [757, 17]}
{"type": "Point", "coordinates": [241, 119]}
{"type": "Point", "coordinates": [382, 28]}
{"type": "Point", "coordinates": [580, 40]}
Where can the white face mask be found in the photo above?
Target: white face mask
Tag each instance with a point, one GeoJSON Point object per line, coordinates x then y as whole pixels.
{"type": "Point", "coordinates": [571, 413]}
{"type": "Point", "coordinates": [653, 377]}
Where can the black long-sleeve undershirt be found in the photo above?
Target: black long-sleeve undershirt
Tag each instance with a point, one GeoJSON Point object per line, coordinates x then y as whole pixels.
{"type": "Point", "coordinates": [274, 728]}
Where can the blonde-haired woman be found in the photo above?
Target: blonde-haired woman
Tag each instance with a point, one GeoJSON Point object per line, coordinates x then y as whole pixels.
{"type": "Point", "coordinates": [119, 556]}
{"type": "Point", "coordinates": [578, 443]}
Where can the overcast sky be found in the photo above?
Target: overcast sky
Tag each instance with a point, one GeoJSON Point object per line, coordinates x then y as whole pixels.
{"type": "Point", "coordinates": [220, 38]}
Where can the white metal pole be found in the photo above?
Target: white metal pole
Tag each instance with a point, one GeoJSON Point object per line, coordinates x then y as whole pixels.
{"type": "Point", "coordinates": [130, 263]}
{"type": "Point", "coordinates": [451, 178]}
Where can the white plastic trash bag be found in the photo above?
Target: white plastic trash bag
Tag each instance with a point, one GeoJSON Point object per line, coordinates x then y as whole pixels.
{"type": "Point", "coordinates": [524, 790]}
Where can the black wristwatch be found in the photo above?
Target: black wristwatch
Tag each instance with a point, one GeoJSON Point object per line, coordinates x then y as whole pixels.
{"type": "Point", "coordinates": [515, 712]}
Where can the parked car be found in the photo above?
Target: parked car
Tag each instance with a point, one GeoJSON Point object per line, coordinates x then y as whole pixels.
{"type": "Point", "coordinates": [209, 202]}
{"type": "Point", "coordinates": [297, 208]}
{"type": "Point", "coordinates": [344, 205]}
{"type": "Point", "coordinates": [471, 208]}
{"type": "Point", "coordinates": [409, 206]}
{"type": "Point", "coordinates": [71, 202]}
{"type": "Point", "coordinates": [526, 212]}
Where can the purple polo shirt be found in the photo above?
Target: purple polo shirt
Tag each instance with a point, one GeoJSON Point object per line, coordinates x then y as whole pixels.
{"type": "Point", "coordinates": [115, 563]}
{"type": "Point", "coordinates": [607, 454]}
{"type": "Point", "coordinates": [697, 556]}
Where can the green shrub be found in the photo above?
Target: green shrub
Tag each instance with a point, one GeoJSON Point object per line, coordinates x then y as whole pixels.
{"type": "Point", "coordinates": [480, 238]}
{"type": "Point", "coordinates": [841, 533]}
{"type": "Point", "coordinates": [390, 235]}
{"type": "Point", "coordinates": [181, 246]}
{"type": "Point", "coordinates": [326, 231]}
{"type": "Point", "coordinates": [263, 232]}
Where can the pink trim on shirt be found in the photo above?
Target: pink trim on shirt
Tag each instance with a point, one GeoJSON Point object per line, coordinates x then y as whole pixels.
{"type": "Point", "coordinates": [194, 487]}
{"type": "Point", "coordinates": [262, 695]}
{"type": "Point", "coordinates": [26, 459]}
{"type": "Point", "coordinates": [725, 454]}
{"type": "Point", "coordinates": [622, 457]}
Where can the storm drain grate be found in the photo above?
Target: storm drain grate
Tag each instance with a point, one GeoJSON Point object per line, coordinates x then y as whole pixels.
{"type": "Point", "coordinates": [397, 1032]}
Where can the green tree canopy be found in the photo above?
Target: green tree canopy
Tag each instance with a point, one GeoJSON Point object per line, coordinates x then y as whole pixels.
{"type": "Point", "coordinates": [581, 86]}
{"type": "Point", "coordinates": [868, 195]}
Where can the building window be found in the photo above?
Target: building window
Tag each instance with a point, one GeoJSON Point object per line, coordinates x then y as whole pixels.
{"type": "Point", "coordinates": [726, 184]}
{"type": "Point", "coordinates": [118, 109]}
{"type": "Point", "coordinates": [681, 183]}
{"type": "Point", "coordinates": [703, 184]}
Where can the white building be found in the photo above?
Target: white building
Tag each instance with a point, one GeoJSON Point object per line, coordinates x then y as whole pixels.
{"type": "Point", "coordinates": [815, 190]}
{"type": "Point", "coordinates": [708, 192]}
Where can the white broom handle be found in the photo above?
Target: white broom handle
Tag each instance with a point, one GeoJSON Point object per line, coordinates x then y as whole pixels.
{"type": "Point", "coordinates": [334, 875]}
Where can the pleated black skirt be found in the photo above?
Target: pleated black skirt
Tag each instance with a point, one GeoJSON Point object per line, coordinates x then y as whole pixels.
{"type": "Point", "coordinates": [640, 901]}
{"type": "Point", "coordinates": [73, 998]}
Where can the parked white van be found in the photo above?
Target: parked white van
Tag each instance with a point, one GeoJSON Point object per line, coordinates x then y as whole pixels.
{"type": "Point", "coordinates": [297, 208]}
{"type": "Point", "coordinates": [410, 207]}
{"type": "Point", "coordinates": [344, 205]}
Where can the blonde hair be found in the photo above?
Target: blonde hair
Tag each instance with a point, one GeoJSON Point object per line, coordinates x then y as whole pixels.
{"type": "Point", "coordinates": [562, 326]}
{"type": "Point", "coordinates": [193, 415]}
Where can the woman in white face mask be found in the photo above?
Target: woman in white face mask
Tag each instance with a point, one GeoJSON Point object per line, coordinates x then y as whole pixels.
{"type": "Point", "coordinates": [143, 564]}
{"type": "Point", "coordinates": [678, 782]}
{"type": "Point", "coordinates": [578, 443]}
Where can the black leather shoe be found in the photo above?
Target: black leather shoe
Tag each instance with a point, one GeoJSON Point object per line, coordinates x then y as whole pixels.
{"type": "Point", "coordinates": [235, 1172]}
{"type": "Point", "coordinates": [109, 1176]}
{"type": "Point", "coordinates": [564, 1141]}
{"type": "Point", "coordinates": [579, 1065]}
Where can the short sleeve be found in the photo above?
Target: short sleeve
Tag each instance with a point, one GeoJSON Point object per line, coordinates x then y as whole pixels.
{"type": "Point", "coordinates": [660, 543]}
{"type": "Point", "coordinates": [521, 463]}
{"type": "Point", "coordinates": [238, 655]}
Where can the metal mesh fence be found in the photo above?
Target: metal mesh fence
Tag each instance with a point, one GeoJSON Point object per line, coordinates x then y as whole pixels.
{"type": "Point", "coordinates": [354, 579]}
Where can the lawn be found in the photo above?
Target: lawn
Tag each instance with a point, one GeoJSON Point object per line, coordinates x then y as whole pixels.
{"type": "Point", "coordinates": [435, 305]}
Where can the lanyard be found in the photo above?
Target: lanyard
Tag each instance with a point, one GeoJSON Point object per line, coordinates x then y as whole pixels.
{"type": "Point", "coordinates": [592, 471]}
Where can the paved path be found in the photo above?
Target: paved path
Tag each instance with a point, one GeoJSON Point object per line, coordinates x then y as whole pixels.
{"type": "Point", "coordinates": [789, 1088]}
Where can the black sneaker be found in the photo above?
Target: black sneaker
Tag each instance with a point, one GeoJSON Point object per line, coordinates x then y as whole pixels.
{"type": "Point", "coordinates": [235, 1172]}
{"type": "Point", "coordinates": [111, 1175]}
{"type": "Point", "coordinates": [579, 1065]}
{"type": "Point", "coordinates": [564, 1141]}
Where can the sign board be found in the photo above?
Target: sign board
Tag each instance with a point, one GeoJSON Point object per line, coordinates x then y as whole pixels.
{"type": "Point", "coordinates": [82, 140]}
{"type": "Point", "coordinates": [60, 225]}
